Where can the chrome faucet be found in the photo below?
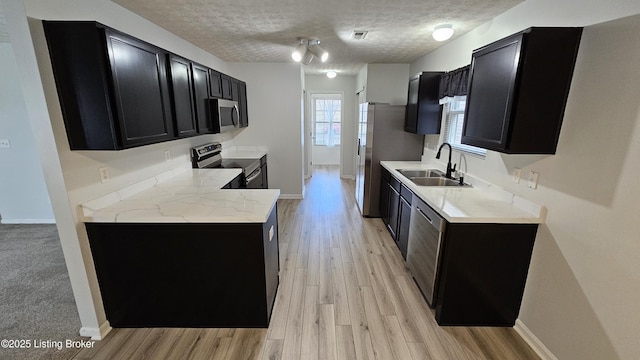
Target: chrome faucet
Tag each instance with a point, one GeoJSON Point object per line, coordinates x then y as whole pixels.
{"type": "Point", "coordinates": [449, 168]}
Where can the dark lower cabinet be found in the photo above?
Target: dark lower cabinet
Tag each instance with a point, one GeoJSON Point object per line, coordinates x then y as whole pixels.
{"type": "Point", "coordinates": [236, 183]}
{"type": "Point", "coordinates": [395, 209]}
{"type": "Point", "coordinates": [482, 275]}
{"type": "Point", "coordinates": [183, 96]}
{"type": "Point", "coordinates": [187, 275]}
{"type": "Point", "coordinates": [265, 174]}
{"type": "Point", "coordinates": [404, 220]}
{"type": "Point", "coordinates": [384, 195]}
{"type": "Point", "coordinates": [113, 88]}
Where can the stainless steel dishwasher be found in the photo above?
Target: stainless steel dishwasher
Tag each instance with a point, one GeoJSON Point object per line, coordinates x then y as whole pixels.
{"type": "Point", "coordinates": [425, 235]}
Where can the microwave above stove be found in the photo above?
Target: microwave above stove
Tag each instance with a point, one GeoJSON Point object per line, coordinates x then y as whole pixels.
{"type": "Point", "coordinates": [224, 114]}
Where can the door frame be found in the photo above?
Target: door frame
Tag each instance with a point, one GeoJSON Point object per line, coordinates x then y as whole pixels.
{"type": "Point", "coordinates": [308, 129]}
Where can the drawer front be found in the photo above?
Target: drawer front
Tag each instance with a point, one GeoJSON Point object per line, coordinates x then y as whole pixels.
{"type": "Point", "coordinates": [395, 183]}
{"type": "Point", "coordinates": [406, 194]}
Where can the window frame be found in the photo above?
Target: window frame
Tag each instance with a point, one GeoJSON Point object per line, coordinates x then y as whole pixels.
{"type": "Point", "coordinates": [454, 139]}
{"type": "Point", "coordinates": [326, 96]}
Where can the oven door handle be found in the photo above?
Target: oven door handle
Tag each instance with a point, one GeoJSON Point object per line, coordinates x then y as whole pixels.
{"type": "Point", "coordinates": [254, 175]}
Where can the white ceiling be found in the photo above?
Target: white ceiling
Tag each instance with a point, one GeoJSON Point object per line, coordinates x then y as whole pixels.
{"type": "Point", "coordinates": [267, 30]}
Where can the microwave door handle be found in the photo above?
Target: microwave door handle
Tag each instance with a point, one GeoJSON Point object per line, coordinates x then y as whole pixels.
{"type": "Point", "coordinates": [233, 119]}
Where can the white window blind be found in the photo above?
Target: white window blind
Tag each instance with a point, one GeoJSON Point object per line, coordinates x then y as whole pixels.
{"type": "Point", "coordinates": [454, 121]}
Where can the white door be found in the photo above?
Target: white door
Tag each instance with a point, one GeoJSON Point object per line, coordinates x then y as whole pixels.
{"type": "Point", "coordinates": [326, 118]}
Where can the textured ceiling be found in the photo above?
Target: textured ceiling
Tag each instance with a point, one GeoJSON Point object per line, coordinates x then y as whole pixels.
{"type": "Point", "coordinates": [266, 30]}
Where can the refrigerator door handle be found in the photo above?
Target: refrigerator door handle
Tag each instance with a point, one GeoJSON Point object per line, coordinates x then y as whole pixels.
{"type": "Point", "coordinates": [358, 146]}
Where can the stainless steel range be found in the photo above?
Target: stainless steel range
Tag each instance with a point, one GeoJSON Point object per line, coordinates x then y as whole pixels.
{"type": "Point", "coordinates": [208, 156]}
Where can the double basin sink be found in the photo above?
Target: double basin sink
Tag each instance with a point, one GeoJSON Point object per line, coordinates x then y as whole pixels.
{"type": "Point", "coordinates": [430, 177]}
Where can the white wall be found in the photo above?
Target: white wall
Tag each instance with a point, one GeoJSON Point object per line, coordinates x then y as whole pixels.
{"type": "Point", "coordinates": [347, 86]}
{"type": "Point", "coordinates": [387, 83]}
{"type": "Point", "coordinates": [23, 192]}
{"type": "Point", "coordinates": [581, 298]}
{"type": "Point", "coordinates": [273, 97]}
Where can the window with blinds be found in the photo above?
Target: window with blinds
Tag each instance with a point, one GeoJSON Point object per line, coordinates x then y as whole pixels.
{"type": "Point", "coordinates": [454, 120]}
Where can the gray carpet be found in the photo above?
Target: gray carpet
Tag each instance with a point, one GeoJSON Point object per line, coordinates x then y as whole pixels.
{"type": "Point", "coordinates": [36, 301]}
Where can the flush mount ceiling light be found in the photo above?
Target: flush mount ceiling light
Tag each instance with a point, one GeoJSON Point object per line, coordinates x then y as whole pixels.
{"type": "Point", "coordinates": [331, 74]}
{"type": "Point", "coordinates": [307, 49]}
{"type": "Point", "coordinates": [443, 32]}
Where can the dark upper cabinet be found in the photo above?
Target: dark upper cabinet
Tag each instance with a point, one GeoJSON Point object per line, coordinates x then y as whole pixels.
{"type": "Point", "coordinates": [239, 94]}
{"type": "Point", "coordinates": [201, 76]}
{"type": "Point", "coordinates": [225, 85]}
{"type": "Point", "coordinates": [215, 89]}
{"type": "Point", "coordinates": [518, 91]}
{"type": "Point", "coordinates": [113, 88]}
{"type": "Point", "coordinates": [423, 115]}
{"type": "Point", "coordinates": [183, 96]}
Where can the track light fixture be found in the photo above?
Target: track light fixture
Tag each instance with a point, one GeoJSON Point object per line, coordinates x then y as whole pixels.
{"type": "Point", "coordinates": [299, 51]}
{"type": "Point", "coordinates": [307, 49]}
{"type": "Point", "coordinates": [314, 47]}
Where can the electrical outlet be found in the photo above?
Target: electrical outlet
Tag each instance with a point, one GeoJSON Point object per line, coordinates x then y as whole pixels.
{"type": "Point", "coordinates": [517, 173]}
{"type": "Point", "coordinates": [533, 179]}
{"type": "Point", "coordinates": [5, 144]}
{"type": "Point", "coordinates": [104, 174]}
{"type": "Point", "coordinates": [167, 155]}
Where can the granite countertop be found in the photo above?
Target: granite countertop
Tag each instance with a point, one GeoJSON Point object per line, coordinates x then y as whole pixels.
{"type": "Point", "coordinates": [187, 196]}
{"type": "Point", "coordinates": [482, 203]}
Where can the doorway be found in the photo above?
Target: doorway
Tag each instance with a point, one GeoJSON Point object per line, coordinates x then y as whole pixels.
{"type": "Point", "coordinates": [326, 115]}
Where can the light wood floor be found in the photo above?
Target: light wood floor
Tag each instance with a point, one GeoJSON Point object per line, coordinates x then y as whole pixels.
{"type": "Point", "coordinates": [344, 294]}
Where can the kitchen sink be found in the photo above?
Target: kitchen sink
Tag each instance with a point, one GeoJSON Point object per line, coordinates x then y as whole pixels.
{"type": "Point", "coordinates": [428, 173]}
{"type": "Point", "coordinates": [436, 181]}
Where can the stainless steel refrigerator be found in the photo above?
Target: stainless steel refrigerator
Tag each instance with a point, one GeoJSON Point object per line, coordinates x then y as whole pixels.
{"type": "Point", "coordinates": [381, 137]}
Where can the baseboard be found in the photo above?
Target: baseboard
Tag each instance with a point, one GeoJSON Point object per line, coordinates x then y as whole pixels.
{"type": "Point", "coordinates": [291, 197]}
{"type": "Point", "coordinates": [96, 333]}
{"type": "Point", "coordinates": [28, 221]}
{"type": "Point", "coordinates": [533, 341]}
